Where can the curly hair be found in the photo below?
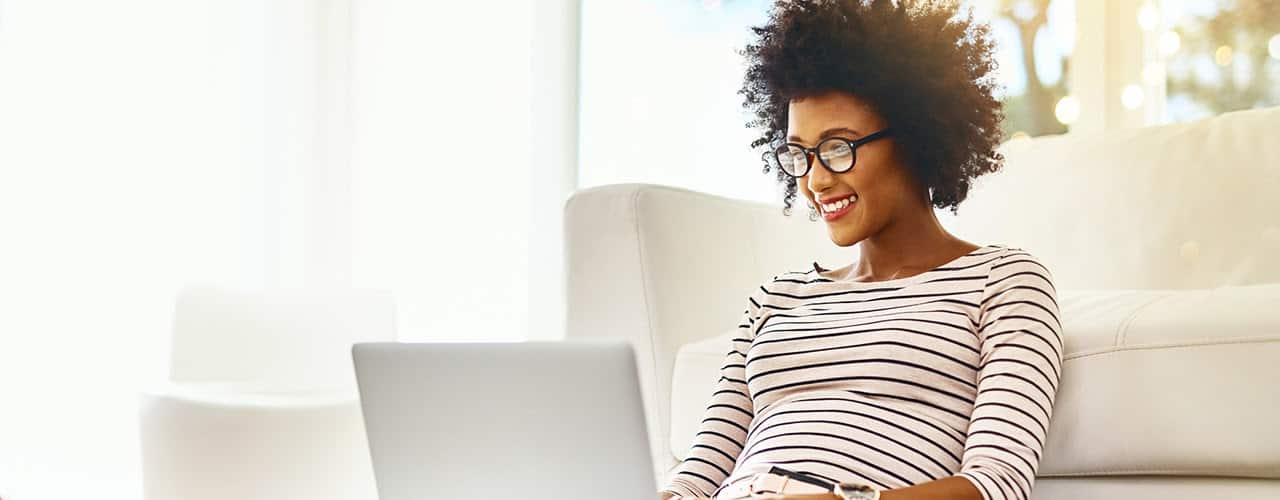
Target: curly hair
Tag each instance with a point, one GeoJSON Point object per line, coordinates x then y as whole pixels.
{"type": "Point", "coordinates": [922, 65]}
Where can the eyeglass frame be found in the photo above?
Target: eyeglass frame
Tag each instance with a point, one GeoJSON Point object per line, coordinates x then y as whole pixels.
{"type": "Point", "coordinates": [810, 153]}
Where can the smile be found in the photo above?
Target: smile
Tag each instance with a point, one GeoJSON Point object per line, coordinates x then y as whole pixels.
{"type": "Point", "coordinates": [833, 211]}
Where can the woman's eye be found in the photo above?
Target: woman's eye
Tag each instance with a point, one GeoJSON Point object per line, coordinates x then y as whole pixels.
{"type": "Point", "coordinates": [836, 151]}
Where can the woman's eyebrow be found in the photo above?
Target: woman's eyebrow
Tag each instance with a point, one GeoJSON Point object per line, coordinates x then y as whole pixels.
{"type": "Point", "coordinates": [829, 133]}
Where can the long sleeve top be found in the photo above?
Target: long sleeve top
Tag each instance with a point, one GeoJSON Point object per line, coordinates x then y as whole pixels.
{"type": "Point", "coordinates": [951, 372]}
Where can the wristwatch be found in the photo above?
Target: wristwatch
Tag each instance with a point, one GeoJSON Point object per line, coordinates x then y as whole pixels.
{"type": "Point", "coordinates": [856, 491]}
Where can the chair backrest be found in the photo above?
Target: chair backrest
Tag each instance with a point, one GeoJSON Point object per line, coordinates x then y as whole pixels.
{"type": "Point", "coordinates": [277, 340]}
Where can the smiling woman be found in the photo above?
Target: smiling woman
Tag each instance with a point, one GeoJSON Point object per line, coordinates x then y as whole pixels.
{"type": "Point", "coordinates": [930, 77]}
{"type": "Point", "coordinates": [927, 368]}
{"type": "Point", "coordinates": [873, 180]}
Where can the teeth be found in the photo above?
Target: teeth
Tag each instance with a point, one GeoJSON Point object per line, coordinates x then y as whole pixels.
{"type": "Point", "coordinates": [832, 207]}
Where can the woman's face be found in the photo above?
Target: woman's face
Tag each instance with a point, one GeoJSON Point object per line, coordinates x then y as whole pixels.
{"type": "Point", "coordinates": [883, 184]}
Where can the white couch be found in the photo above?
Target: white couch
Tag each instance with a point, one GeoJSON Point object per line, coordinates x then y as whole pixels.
{"type": "Point", "coordinates": [261, 400]}
{"type": "Point", "coordinates": [1165, 245]}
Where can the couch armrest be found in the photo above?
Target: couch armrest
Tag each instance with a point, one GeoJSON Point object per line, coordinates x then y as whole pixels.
{"type": "Point", "coordinates": [212, 441]}
{"type": "Point", "coordinates": [662, 267]}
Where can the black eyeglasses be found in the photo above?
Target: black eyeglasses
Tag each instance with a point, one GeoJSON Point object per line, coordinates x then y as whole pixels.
{"type": "Point", "coordinates": [837, 154]}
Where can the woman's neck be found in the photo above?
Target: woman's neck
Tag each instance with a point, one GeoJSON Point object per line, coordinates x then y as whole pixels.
{"type": "Point", "coordinates": [908, 246]}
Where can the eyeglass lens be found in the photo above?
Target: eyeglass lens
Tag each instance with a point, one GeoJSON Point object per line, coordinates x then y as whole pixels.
{"type": "Point", "coordinates": [835, 153]}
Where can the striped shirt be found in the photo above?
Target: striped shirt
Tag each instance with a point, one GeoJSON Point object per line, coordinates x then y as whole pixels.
{"type": "Point", "coordinates": [951, 372]}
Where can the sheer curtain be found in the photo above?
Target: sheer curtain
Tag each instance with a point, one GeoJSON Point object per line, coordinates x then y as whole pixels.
{"type": "Point", "coordinates": [131, 163]}
{"type": "Point", "coordinates": [440, 186]}
{"type": "Point", "coordinates": [150, 144]}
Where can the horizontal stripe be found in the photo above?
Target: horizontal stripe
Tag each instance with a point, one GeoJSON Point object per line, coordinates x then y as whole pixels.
{"type": "Point", "coordinates": [952, 372]}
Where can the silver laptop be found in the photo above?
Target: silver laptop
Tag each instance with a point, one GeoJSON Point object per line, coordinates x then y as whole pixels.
{"type": "Point", "coordinates": [534, 420]}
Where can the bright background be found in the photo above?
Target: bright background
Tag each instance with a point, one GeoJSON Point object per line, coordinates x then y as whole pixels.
{"type": "Point", "coordinates": [424, 148]}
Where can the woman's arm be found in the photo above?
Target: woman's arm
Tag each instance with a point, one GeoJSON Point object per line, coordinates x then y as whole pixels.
{"type": "Point", "coordinates": [728, 414]}
{"type": "Point", "coordinates": [1020, 366]}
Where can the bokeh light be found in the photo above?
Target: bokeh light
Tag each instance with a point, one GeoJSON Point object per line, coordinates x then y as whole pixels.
{"type": "Point", "coordinates": [1132, 96]}
{"type": "Point", "coordinates": [1223, 55]}
{"type": "Point", "coordinates": [1067, 110]}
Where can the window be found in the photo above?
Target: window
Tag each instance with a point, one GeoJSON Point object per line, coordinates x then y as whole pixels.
{"type": "Point", "coordinates": [659, 96]}
{"type": "Point", "coordinates": [1221, 55]}
{"type": "Point", "coordinates": [1034, 41]}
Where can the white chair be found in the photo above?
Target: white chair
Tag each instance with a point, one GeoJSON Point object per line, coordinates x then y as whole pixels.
{"type": "Point", "coordinates": [1163, 242]}
{"type": "Point", "coordinates": [261, 401]}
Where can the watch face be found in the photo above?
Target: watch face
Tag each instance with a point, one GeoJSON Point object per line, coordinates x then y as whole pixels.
{"type": "Point", "coordinates": [856, 491]}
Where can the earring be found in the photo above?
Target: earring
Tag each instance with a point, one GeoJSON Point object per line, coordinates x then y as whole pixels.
{"type": "Point", "coordinates": [813, 213]}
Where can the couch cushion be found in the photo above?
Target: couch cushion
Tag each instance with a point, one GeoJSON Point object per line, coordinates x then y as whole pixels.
{"type": "Point", "coordinates": [1154, 382]}
{"type": "Point", "coordinates": [1181, 206]}
{"type": "Point", "coordinates": [697, 369]}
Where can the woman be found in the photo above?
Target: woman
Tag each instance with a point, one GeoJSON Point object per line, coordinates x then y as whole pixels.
{"type": "Point", "coordinates": [927, 367]}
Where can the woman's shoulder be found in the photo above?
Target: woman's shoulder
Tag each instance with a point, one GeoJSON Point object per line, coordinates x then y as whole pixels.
{"type": "Point", "coordinates": [789, 283]}
{"type": "Point", "coordinates": [1015, 268]}
{"type": "Point", "coordinates": [1008, 257]}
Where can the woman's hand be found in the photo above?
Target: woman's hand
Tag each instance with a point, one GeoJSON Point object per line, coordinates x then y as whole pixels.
{"type": "Point", "coordinates": [759, 496]}
{"type": "Point", "coordinates": [812, 496]}
{"type": "Point", "coordinates": [793, 496]}
{"type": "Point", "coordinates": [662, 495]}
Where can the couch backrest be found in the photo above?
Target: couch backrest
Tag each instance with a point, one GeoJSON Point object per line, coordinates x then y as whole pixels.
{"type": "Point", "coordinates": [281, 340]}
{"type": "Point", "coordinates": [1191, 205]}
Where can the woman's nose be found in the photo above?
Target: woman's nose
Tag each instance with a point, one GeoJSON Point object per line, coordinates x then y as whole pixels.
{"type": "Point", "coordinates": [819, 177]}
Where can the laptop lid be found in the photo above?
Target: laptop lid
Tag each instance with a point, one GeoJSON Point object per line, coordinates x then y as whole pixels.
{"type": "Point", "coordinates": [525, 420]}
